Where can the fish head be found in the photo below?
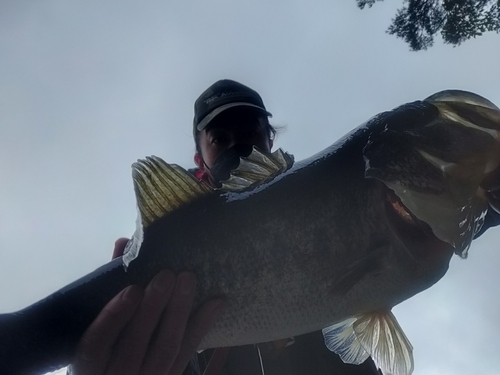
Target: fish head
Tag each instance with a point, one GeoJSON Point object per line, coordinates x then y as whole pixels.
{"type": "Point", "coordinates": [435, 157]}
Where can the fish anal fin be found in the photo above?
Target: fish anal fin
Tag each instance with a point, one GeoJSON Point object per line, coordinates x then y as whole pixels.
{"type": "Point", "coordinates": [375, 334]}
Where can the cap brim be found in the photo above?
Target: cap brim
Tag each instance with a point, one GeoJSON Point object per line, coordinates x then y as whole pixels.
{"type": "Point", "coordinates": [206, 120]}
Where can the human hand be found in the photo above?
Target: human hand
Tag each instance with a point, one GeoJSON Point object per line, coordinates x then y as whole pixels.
{"type": "Point", "coordinates": [147, 332]}
{"type": "Point", "coordinates": [119, 248]}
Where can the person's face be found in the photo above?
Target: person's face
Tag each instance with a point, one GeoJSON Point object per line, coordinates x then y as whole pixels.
{"type": "Point", "coordinates": [226, 132]}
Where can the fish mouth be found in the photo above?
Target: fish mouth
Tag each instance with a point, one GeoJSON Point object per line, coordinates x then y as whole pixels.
{"type": "Point", "coordinates": [436, 155]}
{"type": "Point", "coordinates": [416, 235]}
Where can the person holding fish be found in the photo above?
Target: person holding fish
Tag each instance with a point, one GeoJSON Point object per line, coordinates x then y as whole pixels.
{"type": "Point", "coordinates": [150, 331]}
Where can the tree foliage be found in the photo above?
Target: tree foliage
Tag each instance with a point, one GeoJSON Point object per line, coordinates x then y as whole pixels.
{"type": "Point", "coordinates": [418, 21]}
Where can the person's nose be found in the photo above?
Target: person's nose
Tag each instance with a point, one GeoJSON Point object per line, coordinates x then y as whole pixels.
{"type": "Point", "coordinates": [233, 142]}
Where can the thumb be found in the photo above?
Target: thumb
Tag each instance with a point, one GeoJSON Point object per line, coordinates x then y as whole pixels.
{"type": "Point", "coordinates": [120, 244]}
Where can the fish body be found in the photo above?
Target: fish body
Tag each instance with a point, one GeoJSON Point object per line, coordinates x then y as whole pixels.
{"type": "Point", "coordinates": [275, 253]}
{"type": "Point", "coordinates": [313, 245]}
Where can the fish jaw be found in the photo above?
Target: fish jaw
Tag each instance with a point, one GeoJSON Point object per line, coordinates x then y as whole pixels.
{"type": "Point", "coordinates": [417, 239]}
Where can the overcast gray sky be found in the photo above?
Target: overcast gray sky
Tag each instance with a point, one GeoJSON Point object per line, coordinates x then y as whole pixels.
{"type": "Point", "coordinates": [88, 87]}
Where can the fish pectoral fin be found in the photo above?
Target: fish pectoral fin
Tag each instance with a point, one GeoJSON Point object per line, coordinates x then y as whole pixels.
{"type": "Point", "coordinates": [371, 264]}
{"type": "Point", "coordinates": [375, 334]}
{"type": "Point", "coordinates": [256, 168]}
{"type": "Point", "coordinates": [161, 188]}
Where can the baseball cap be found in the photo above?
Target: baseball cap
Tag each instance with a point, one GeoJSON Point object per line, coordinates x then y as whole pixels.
{"type": "Point", "coordinates": [222, 95]}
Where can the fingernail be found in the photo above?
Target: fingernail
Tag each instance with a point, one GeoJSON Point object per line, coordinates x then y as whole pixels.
{"type": "Point", "coordinates": [163, 281]}
{"type": "Point", "coordinates": [132, 294]}
{"type": "Point", "coordinates": [187, 283]}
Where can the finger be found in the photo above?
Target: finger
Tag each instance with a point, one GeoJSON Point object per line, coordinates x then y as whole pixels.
{"type": "Point", "coordinates": [198, 326]}
{"type": "Point", "coordinates": [120, 244]}
{"type": "Point", "coordinates": [94, 349]}
{"type": "Point", "coordinates": [129, 352]}
{"type": "Point", "coordinates": [167, 343]}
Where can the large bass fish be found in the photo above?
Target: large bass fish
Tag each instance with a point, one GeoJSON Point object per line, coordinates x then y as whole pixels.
{"type": "Point", "coordinates": [332, 241]}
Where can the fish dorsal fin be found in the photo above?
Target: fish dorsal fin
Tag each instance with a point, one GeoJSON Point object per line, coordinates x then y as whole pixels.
{"type": "Point", "coordinates": [160, 188]}
{"type": "Point", "coordinates": [375, 334]}
{"type": "Point", "coordinates": [257, 168]}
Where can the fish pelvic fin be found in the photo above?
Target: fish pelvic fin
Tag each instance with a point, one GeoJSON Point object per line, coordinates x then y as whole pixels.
{"type": "Point", "coordinates": [375, 334]}
{"type": "Point", "coordinates": [341, 339]}
{"type": "Point", "coordinates": [257, 168]}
